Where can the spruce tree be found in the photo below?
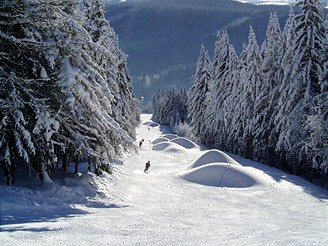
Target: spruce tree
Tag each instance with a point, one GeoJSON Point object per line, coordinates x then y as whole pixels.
{"type": "Point", "coordinates": [63, 78]}
{"type": "Point", "coordinates": [266, 98]}
{"type": "Point", "coordinates": [27, 124]}
{"type": "Point", "coordinates": [198, 93]}
{"type": "Point", "coordinates": [279, 95]}
{"type": "Point", "coordinates": [252, 83]}
{"type": "Point", "coordinates": [224, 66]}
{"type": "Point", "coordinates": [304, 83]}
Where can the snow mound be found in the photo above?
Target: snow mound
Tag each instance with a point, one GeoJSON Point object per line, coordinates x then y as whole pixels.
{"type": "Point", "coordinates": [169, 147]}
{"type": "Point", "coordinates": [170, 136]}
{"type": "Point", "coordinates": [150, 123]}
{"type": "Point", "coordinates": [160, 140]}
{"type": "Point", "coordinates": [211, 156]}
{"type": "Point", "coordinates": [222, 175]}
{"type": "Point", "coordinates": [184, 142]}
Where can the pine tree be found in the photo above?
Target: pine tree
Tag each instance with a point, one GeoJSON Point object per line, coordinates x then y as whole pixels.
{"type": "Point", "coordinates": [63, 82]}
{"type": "Point", "coordinates": [169, 107]}
{"type": "Point", "coordinates": [197, 94]}
{"type": "Point", "coordinates": [128, 106]}
{"type": "Point", "coordinates": [27, 126]}
{"type": "Point", "coordinates": [317, 123]}
{"type": "Point", "coordinates": [266, 99]}
{"type": "Point", "coordinates": [278, 94]}
{"type": "Point", "coordinates": [224, 66]}
{"type": "Point", "coordinates": [304, 84]}
{"type": "Point", "coordinates": [125, 108]}
{"type": "Point", "coordinates": [252, 83]}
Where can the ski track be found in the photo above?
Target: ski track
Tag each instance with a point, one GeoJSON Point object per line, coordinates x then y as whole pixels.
{"type": "Point", "coordinates": [159, 208]}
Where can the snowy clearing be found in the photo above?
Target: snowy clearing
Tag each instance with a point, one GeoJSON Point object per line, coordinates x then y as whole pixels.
{"type": "Point", "coordinates": [176, 203]}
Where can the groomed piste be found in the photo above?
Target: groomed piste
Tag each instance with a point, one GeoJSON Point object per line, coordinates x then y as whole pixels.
{"type": "Point", "coordinates": [188, 197]}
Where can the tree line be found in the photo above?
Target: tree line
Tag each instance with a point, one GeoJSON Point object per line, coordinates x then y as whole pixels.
{"type": "Point", "coordinates": [270, 103]}
{"type": "Point", "coordinates": [65, 89]}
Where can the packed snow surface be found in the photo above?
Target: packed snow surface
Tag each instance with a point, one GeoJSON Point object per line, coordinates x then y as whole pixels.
{"type": "Point", "coordinates": [174, 204]}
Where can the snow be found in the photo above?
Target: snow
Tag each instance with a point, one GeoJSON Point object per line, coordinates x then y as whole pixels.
{"type": "Point", "coordinates": [173, 204]}
{"type": "Point", "coordinates": [210, 156]}
{"type": "Point", "coordinates": [224, 175]}
{"type": "Point", "coordinates": [186, 143]}
{"type": "Point", "coordinates": [160, 140]}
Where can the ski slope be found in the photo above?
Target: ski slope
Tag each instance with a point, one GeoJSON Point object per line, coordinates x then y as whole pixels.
{"type": "Point", "coordinates": [190, 196]}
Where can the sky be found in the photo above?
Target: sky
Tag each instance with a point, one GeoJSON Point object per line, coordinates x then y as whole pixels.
{"type": "Point", "coordinates": [189, 196]}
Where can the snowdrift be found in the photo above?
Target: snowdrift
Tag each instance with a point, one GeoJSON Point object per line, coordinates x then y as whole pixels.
{"type": "Point", "coordinates": [211, 156]}
{"type": "Point", "coordinates": [222, 175]}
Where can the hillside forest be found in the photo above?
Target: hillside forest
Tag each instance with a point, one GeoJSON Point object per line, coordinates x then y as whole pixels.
{"type": "Point", "coordinates": [269, 103]}
{"type": "Point", "coordinates": [66, 95]}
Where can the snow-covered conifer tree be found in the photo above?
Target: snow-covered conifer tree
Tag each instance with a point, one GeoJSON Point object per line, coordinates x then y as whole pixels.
{"type": "Point", "coordinates": [27, 126]}
{"type": "Point", "coordinates": [198, 93]}
{"type": "Point", "coordinates": [128, 106]}
{"type": "Point", "coordinates": [224, 66]}
{"type": "Point", "coordinates": [87, 78]}
{"type": "Point", "coordinates": [278, 94]}
{"type": "Point", "coordinates": [69, 95]}
{"type": "Point", "coordinates": [169, 107]}
{"type": "Point", "coordinates": [113, 67]}
{"type": "Point", "coordinates": [317, 123]}
{"type": "Point", "coordinates": [304, 82]}
{"type": "Point", "coordinates": [266, 99]}
{"type": "Point", "coordinates": [252, 83]}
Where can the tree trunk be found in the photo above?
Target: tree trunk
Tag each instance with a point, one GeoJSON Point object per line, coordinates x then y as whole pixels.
{"type": "Point", "coordinates": [13, 171]}
{"type": "Point", "coordinates": [76, 163]}
{"type": "Point", "coordinates": [64, 162]}
{"type": "Point", "coordinates": [89, 164]}
{"type": "Point", "coordinates": [45, 177]}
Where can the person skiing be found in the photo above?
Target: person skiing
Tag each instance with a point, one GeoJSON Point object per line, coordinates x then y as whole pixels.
{"type": "Point", "coordinates": [147, 166]}
{"type": "Point", "coordinates": [140, 143]}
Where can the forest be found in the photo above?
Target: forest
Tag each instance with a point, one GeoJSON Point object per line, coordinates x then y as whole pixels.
{"type": "Point", "coordinates": [66, 94]}
{"type": "Point", "coordinates": [171, 32]}
{"type": "Point", "coordinates": [269, 103]}
{"type": "Point", "coordinates": [65, 90]}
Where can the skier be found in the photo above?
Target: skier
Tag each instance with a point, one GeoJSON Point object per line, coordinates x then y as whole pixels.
{"type": "Point", "coordinates": [140, 143]}
{"type": "Point", "coordinates": [147, 166]}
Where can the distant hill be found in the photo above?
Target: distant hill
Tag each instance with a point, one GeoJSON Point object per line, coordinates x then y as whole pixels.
{"type": "Point", "coordinates": [163, 38]}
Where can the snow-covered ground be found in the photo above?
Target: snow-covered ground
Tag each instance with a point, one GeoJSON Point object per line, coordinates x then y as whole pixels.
{"type": "Point", "coordinates": [190, 196]}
